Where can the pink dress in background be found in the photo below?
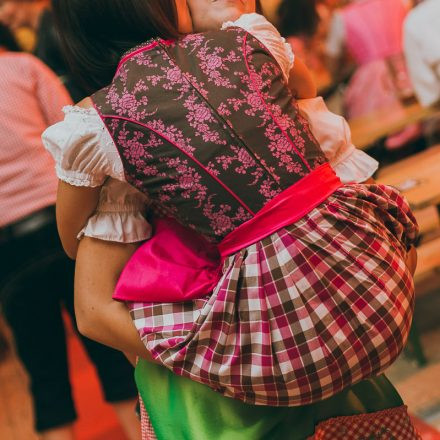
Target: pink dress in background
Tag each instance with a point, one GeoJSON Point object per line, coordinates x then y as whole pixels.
{"type": "Point", "coordinates": [373, 31]}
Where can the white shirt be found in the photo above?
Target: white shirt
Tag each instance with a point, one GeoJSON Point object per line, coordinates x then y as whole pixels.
{"type": "Point", "coordinates": [422, 50]}
{"type": "Point", "coordinates": [86, 155]}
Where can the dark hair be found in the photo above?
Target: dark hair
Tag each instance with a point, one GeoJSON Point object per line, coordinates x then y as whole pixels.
{"type": "Point", "coordinates": [95, 33]}
{"type": "Point", "coordinates": [7, 39]}
{"type": "Point", "coordinates": [259, 7]}
{"type": "Point", "coordinates": [298, 17]}
{"type": "Point", "coordinates": [49, 51]}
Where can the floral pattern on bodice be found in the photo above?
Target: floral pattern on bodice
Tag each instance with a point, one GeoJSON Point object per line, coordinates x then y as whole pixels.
{"type": "Point", "coordinates": [206, 127]}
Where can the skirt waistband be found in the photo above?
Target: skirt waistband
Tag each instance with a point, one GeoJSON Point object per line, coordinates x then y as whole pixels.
{"type": "Point", "coordinates": [177, 264]}
{"type": "Point", "coordinates": [284, 209]}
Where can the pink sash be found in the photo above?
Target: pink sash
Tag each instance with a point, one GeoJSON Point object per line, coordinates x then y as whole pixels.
{"type": "Point", "coordinates": [177, 264]}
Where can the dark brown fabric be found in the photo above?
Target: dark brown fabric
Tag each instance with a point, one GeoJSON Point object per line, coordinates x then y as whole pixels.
{"type": "Point", "coordinates": [218, 119]}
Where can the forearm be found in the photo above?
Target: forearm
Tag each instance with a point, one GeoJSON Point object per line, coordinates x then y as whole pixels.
{"type": "Point", "coordinates": [301, 81]}
{"type": "Point", "coordinates": [16, 14]}
{"type": "Point", "coordinates": [99, 317]}
{"type": "Point", "coordinates": [110, 324]}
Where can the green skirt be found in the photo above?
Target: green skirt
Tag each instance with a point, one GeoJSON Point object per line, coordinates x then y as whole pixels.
{"type": "Point", "coordinates": [181, 409]}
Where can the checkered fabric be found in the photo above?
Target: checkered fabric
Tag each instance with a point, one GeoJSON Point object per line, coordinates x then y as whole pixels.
{"type": "Point", "coordinates": [302, 314]}
{"type": "Point", "coordinates": [390, 424]}
{"type": "Point", "coordinates": [146, 426]}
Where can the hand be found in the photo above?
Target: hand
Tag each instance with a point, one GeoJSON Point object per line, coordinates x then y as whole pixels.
{"type": "Point", "coordinates": [16, 14]}
{"type": "Point", "coordinates": [411, 260]}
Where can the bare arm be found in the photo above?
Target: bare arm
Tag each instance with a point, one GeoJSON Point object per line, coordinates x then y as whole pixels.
{"type": "Point", "coordinates": [99, 317]}
{"type": "Point", "coordinates": [411, 260]}
{"type": "Point", "coordinates": [74, 207]}
{"type": "Point", "coordinates": [369, 181]}
{"type": "Point", "coordinates": [301, 82]}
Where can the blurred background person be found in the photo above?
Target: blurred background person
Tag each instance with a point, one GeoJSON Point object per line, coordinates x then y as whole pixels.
{"type": "Point", "coordinates": [37, 16]}
{"type": "Point", "coordinates": [422, 50]}
{"type": "Point", "coordinates": [21, 13]}
{"type": "Point", "coordinates": [21, 16]}
{"type": "Point", "coordinates": [370, 31]}
{"type": "Point", "coordinates": [298, 22]}
{"type": "Point", "coordinates": [35, 275]}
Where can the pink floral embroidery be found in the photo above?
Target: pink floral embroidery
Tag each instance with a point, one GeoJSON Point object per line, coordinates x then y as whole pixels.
{"type": "Point", "coordinates": [213, 62]}
{"type": "Point", "coordinates": [204, 125]}
{"type": "Point", "coordinates": [221, 220]}
{"type": "Point", "coordinates": [201, 117]}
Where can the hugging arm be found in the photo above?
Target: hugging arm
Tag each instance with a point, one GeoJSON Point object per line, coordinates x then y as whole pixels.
{"type": "Point", "coordinates": [99, 317]}
{"type": "Point", "coordinates": [301, 82]}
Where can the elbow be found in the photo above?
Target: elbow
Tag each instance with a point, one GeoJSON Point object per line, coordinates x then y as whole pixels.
{"type": "Point", "coordinates": [85, 325]}
{"type": "Point", "coordinates": [309, 93]}
{"type": "Point", "coordinates": [310, 89]}
{"type": "Point", "coordinates": [70, 246]}
{"type": "Point", "coordinates": [87, 317]}
{"type": "Point", "coordinates": [89, 328]}
{"type": "Point", "coordinates": [70, 252]}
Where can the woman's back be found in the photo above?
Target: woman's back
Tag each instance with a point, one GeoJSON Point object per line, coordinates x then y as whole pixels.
{"type": "Point", "coordinates": [213, 139]}
{"type": "Point", "coordinates": [206, 127]}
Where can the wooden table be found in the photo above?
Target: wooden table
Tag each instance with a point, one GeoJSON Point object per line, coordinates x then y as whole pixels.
{"type": "Point", "coordinates": [418, 177]}
{"type": "Point", "coordinates": [367, 130]}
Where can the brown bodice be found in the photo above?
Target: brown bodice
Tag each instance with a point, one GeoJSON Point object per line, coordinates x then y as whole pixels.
{"type": "Point", "coordinates": [207, 128]}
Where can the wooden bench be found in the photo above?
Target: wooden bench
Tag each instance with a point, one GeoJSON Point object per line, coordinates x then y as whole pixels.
{"type": "Point", "coordinates": [418, 177]}
{"type": "Point", "coordinates": [428, 219]}
{"type": "Point", "coordinates": [428, 258]}
{"type": "Point", "coordinates": [368, 129]}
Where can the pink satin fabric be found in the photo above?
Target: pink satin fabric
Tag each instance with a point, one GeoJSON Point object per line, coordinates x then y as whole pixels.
{"type": "Point", "coordinates": [177, 264]}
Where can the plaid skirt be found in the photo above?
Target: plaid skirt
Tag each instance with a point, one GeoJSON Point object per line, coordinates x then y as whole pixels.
{"type": "Point", "coordinates": [308, 311]}
{"type": "Point", "coordinates": [393, 424]}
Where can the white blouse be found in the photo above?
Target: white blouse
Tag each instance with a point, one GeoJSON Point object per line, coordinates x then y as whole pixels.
{"type": "Point", "coordinates": [86, 155]}
{"type": "Point", "coordinates": [334, 136]}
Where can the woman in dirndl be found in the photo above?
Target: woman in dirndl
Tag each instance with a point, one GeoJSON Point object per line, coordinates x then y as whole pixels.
{"type": "Point", "coordinates": [311, 293]}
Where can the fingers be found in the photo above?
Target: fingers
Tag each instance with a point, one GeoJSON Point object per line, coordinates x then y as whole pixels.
{"type": "Point", "coordinates": [19, 14]}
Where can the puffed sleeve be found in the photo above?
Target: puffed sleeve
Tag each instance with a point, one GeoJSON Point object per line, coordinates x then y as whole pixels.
{"type": "Point", "coordinates": [120, 215]}
{"type": "Point", "coordinates": [82, 148]}
{"type": "Point", "coordinates": [267, 34]}
{"type": "Point", "coordinates": [85, 155]}
{"type": "Point", "coordinates": [333, 135]}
